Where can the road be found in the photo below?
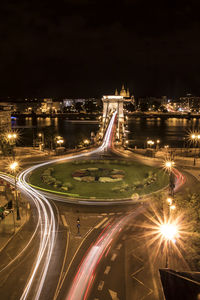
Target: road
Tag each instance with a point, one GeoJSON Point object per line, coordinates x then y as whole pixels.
{"type": "Point", "coordinates": [58, 263]}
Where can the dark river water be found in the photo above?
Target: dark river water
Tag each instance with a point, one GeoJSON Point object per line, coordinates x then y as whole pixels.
{"type": "Point", "coordinates": [172, 131]}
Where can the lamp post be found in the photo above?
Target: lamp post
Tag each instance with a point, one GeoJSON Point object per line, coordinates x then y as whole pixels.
{"type": "Point", "coordinates": [195, 139]}
{"type": "Point", "coordinates": [11, 137]}
{"type": "Point", "coordinates": [168, 232]}
{"type": "Point", "coordinates": [171, 205]}
{"type": "Point", "coordinates": [157, 144]}
{"type": "Point", "coordinates": [86, 142]}
{"type": "Point", "coordinates": [60, 142]}
{"type": "Point", "coordinates": [150, 143]}
{"type": "Point", "coordinates": [41, 140]}
{"type": "Point", "coordinates": [14, 166]}
{"type": "Point", "coordinates": [169, 164]}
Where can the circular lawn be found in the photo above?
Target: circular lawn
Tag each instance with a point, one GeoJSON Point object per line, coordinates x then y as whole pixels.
{"type": "Point", "coordinates": [100, 179]}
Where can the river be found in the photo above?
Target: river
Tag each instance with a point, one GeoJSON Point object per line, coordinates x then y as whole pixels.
{"type": "Point", "coordinates": [171, 131]}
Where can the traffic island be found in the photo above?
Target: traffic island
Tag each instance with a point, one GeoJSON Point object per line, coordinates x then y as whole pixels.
{"type": "Point", "coordinates": [99, 179]}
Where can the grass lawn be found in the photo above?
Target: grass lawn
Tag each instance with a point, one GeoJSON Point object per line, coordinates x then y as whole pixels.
{"type": "Point", "coordinates": [133, 181]}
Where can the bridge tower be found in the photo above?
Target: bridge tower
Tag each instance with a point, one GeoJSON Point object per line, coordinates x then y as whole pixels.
{"type": "Point", "coordinates": [113, 103]}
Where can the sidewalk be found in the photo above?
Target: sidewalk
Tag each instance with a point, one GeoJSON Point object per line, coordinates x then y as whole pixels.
{"type": "Point", "coordinates": [9, 225]}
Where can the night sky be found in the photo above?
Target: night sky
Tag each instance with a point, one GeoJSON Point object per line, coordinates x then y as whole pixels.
{"type": "Point", "coordinates": [83, 48]}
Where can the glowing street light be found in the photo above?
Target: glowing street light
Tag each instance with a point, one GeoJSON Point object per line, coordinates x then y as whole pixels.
{"type": "Point", "coordinates": [194, 138]}
{"type": "Point", "coordinates": [169, 233]}
{"type": "Point", "coordinates": [14, 166]}
{"type": "Point", "coordinates": [169, 200]}
{"type": "Point", "coordinates": [10, 138]}
{"type": "Point", "coordinates": [169, 164]}
{"type": "Point", "coordinates": [60, 142]}
{"type": "Point", "coordinates": [150, 143]}
{"type": "Point", "coordinates": [173, 207]}
{"type": "Point", "coordinates": [86, 142]}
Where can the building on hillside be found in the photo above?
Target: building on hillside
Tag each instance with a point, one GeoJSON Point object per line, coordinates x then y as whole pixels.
{"type": "Point", "coordinates": [151, 103]}
{"type": "Point", "coordinates": [49, 106]}
{"type": "Point", "coordinates": [5, 117]}
{"type": "Point", "coordinates": [193, 102]}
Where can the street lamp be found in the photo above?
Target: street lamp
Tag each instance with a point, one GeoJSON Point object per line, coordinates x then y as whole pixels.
{"type": "Point", "coordinates": [171, 205]}
{"type": "Point", "coordinates": [41, 140]}
{"type": "Point", "coordinates": [14, 166]}
{"type": "Point", "coordinates": [86, 142]}
{"type": "Point", "coordinates": [169, 200]}
{"type": "Point", "coordinates": [60, 142]}
{"type": "Point", "coordinates": [157, 144]}
{"type": "Point", "coordinates": [168, 165]}
{"type": "Point", "coordinates": [169, 232]}
{"type": "Point", "coordinates": [11, 138]}
{"type": "Point", "coordinates": [194, 138]}
{"type": "Point", "coordinates": [150, 143]}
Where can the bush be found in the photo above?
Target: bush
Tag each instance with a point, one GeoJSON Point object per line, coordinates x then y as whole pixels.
{"type": "Point", "coordinates": [64, 188]}
{"type": "Point", "coordinates": [67, 185]}
{"type": "Point", "coordinates": [58, 183]}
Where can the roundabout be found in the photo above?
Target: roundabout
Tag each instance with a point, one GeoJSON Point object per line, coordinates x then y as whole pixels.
{"type": "Point", "coordinates": [99, 179]}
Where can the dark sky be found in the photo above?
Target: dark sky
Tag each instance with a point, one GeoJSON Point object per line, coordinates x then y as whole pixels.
{"type": "Point", "coordinates": [88, 48]}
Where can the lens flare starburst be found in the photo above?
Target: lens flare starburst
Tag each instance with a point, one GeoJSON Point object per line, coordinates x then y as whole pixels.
{"type": "Point", "coordinates": [164, 231]}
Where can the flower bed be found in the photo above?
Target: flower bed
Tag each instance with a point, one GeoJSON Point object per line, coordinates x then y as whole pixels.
{"type": "Point", "coordinates": [98, 175]}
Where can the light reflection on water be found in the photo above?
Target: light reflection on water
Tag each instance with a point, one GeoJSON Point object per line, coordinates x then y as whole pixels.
{"type": "Point", "coordinates": [170, 131]}
{"type": "Point", "coordinates": [73, 133]}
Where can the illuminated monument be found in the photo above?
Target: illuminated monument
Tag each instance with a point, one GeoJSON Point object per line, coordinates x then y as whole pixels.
{"type": "Point", "coordinates": [113, 103]}
{"type": "Point", "coordinates": [123, 92]}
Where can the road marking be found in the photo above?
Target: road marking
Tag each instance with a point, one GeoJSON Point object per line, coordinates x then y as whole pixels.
{"type": "Point", "coordinates": [66, 272]}
{"type": "Point", "coordinates": [113, 295]}
{"type": "Point", "coordinates": [62, 273]}
{"type": "Point", "coordinates": [137, 257]}
{"type": "Point", "coordinates": [64, 221]}
{"type": "Point", "coordinates": [100, 286]}
{"type": "Point", "coordinates": [150, 290]}
{"type": "Point", "coordinates": [137, 271]}
{"type": "Point", "coordinates": [105, 224]}
{"type": "Point", "coordinates": [107, 270]}
{"type": "Point", "coordinates": [100, 223]}
{"type": "Point", "coordinates": [113, 257]}
{"type": "Point", "coordinates": [104, 214]}
{"type": "Point", "coordinates": [119, 246]}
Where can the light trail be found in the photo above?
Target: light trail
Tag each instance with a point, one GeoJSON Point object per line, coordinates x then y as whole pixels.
{"type": "Point", "coordinates": [85, 275]}
{"type": "Point", "coordinates": [46, 219]}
